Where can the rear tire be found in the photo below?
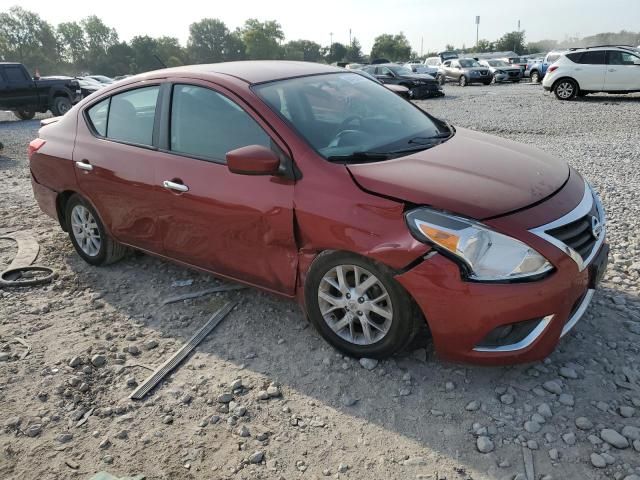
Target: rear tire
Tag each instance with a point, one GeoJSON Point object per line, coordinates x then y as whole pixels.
{"type": "Point", "coordinates": [375, 323]}
{"type": "Point", "coordinates": [462, 81]}
{"type": "Point", "coordinates": [535, 77]}
{"type": "Point", "coordinates": [24, 114]}
{"type": "Point", "coordinates": [565, 89]}
{"type": "Point", "coordinates": [60, 106]}
{"type": "Point", "coordinates": [88, 235]}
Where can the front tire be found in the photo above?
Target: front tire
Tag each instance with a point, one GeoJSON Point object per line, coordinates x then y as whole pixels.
{"type": "Point", "coordinates": [61, 105]}
{"type": "Point", "coordinates": [23, 114]}
{"type": "Point", "coordinates": [462, 81]}
{"type": "Point", "coordinates": [88, 235]}
{"type": "Point", "coordinates": [565, 89]}
{"type": "Point", "coordinates": [358, 307]}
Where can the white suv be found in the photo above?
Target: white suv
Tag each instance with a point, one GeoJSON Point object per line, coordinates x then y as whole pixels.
{"type": "Point", "coordinates": [578, 72]}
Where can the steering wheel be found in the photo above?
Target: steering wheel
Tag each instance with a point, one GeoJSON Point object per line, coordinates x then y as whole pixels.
{"type": "Point", "coordinates": [348, 121]}
{"type": "Point", "coordinates": [344, 131]}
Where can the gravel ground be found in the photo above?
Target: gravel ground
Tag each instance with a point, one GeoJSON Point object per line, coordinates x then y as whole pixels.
{"type": "Point", "coordinates": [95, 333]}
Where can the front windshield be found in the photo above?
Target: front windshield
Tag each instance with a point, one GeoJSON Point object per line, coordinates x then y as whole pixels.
{"type": "Point", "coordinates": [498, 63]}
{"type": "Point", "coordinates": [467, 62]}
{"type": "Point", "coordinates": [345, 114]}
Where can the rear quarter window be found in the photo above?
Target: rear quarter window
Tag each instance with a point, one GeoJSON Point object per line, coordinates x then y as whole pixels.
{"type": "Point", "coordinates": [98, 115]}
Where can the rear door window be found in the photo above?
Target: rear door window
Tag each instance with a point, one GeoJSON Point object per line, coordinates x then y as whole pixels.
{"type": "Point", "coordinates": [206, 124]}
{"type": "Point", "coordinates": [131, 116]}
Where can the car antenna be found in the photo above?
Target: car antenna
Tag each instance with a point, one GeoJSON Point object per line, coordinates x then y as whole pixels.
{"type": "Point", "coordinates": [159, 61]}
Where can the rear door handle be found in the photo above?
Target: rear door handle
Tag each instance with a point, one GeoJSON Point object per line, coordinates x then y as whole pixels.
{"type": "Point", "coordinates": [612, 69]}
{"type": "Point", "coordinates": [84, 165]}
{"type": "Point", "coordinates": [178, 187]}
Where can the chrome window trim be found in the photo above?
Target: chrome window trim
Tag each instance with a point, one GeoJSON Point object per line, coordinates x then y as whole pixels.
{"type": "Point", "coordinates": [524, 343]}
{"type": "Point", "coordinates": [583, 208]}
{"type": "Point", "coordinates": [577, 315]}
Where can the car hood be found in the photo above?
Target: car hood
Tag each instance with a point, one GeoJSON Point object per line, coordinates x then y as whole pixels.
{"type": "Point", "coordinates": [425, 77]}
{"type": "Point", "coordinates": [471, 174]}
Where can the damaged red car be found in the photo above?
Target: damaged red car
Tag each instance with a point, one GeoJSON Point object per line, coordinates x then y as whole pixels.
{"type": "Point", "coordinates": [319, 184]}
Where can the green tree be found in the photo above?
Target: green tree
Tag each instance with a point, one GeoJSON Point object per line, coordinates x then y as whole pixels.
{"type": "Point", "coordinates": [336, 53]}
{"type": "Point", "coordinates": [208, 41]}
{"type": "Point", "coordinates": [484, 45]}
{"type": "Point", "coordinates": [74, 45]}
{"type": "Point", "coordinates": [511, 41]}
{"type": "Point", "coordinates": [100, 38]}
{"type": "Point", "coordinates": [261, 39]}
{"type": "Point", "coordinates": [392, 47]}
{"type": "Point", "coordinates": [169, 47]}
{"type": "Point", "coordinates": [118, 60]}
{"type": "Point", "coordinates": [144, 50]}
{"type": "Point", "coordinates": [354, 51]}
{"type": "Point", "coordinates": [28, 39]}
{"type": "Point", "coordinates": [305, 50]}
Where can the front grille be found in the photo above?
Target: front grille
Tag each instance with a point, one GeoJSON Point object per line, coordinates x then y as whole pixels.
{"type": "Point", "coordinates": [514, 74]}
{"type": "Point", "coordinates": [578, 234]}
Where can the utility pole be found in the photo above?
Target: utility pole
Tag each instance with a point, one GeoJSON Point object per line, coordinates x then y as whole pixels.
{"type": "Point", "coordinates": [330, 44]}
{"type": "Point", "coordinates": [421, 46]}
{"type": "Point", "coordinates": [349, 36]}
{"type": "Point", "coordinates": [477, 31]}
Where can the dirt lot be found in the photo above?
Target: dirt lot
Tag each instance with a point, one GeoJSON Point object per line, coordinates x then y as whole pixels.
{"type": "Point", "coordinates": [96, 332]}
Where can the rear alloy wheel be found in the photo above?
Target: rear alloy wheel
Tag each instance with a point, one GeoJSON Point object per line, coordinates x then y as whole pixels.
{"type": "Point", "coordinates": [89, 236]}
{"type": "Point", "coordinates": [441, 79]}
{"type": "Point", "coordinates": [535, 77]}
{"type": "Point", "coordinates": [462, 81]}
{"type": "Point", "coordinates": [565, 89]}
{"type": "Point", "coordinates": [24, 114]}
{"type": "Point", "coordinates": [358, 307]}
{"type": "Point", "coordinates": [61, 105]}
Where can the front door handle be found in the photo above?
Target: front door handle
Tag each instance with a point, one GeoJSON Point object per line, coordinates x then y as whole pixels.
{"type": "Point", "coordinates": [178, 187]}
{"type": "Point", "coordinates": [84, 165]}
{"type": "Point", "coordinates": [612, 69]}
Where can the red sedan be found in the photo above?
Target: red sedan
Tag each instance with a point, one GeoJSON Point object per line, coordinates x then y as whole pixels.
{"type": "Point", "coordinates": [318, 184]}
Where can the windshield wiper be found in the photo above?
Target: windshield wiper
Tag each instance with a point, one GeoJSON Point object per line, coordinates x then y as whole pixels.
{"type": "Point", "coordinates": [359, 156]}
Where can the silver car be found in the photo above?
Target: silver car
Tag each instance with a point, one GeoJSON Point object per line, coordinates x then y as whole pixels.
{"type": "Point", "coordinates": [421, 68]}
{"type": "Point", "coordinates": [502, 71]}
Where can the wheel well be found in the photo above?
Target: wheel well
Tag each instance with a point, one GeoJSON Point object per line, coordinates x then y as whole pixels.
{"type": "Point", "coordinates": [61, 206]}
{"type": "Point", "coordinates": [565, 78]}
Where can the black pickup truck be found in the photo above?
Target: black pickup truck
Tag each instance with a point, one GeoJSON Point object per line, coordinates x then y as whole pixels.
{"type": "Point", "coordinates": [25, 96]}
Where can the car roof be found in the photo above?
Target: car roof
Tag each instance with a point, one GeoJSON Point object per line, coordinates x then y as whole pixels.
{"type": "Point", "coordinates": [253, 71]}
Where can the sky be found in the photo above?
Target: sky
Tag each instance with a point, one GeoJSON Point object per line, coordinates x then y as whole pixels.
{"type": "Point", "coordinates": [429, 25]}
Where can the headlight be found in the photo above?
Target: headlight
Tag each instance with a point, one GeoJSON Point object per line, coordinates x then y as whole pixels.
{"type": "Point", "coordinates": [501, 72]}
{"type": "Point", "coordinates": [488, 255]}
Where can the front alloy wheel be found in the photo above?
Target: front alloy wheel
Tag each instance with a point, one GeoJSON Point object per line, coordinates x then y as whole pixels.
{"type": "Point", "coordinates": [355, 304]}
{"type": "Point", "coordinates": [358, 306]}
{"type": "Point", "coordinates": [462, 81]}
{"type": "Point", "coordinates": [565, 89]}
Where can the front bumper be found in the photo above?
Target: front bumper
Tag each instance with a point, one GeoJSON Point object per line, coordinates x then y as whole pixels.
{"type": "Point", "coordinates": [463, 314]}
{"type": "Point", "coordinates": [479, 78]}
{"type": "Point", "coordinates": [426, 91]}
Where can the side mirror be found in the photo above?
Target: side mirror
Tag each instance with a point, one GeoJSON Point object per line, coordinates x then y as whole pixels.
{"type": "Point", "coordinates": [253, 160]}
